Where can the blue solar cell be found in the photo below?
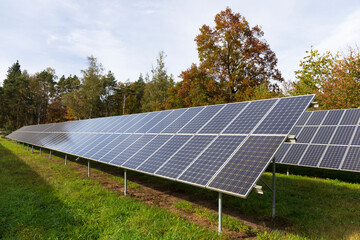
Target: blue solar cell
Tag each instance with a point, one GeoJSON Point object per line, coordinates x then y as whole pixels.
{"type": "Point", "coordinates": [85, 138]}
{"type": "Point", "coordinates": [333, 157]}
{"type": "Point", "coordinates": [61, 139]}
{"type": "Point", "coordinates": [333, 117]}
{"type": "Point", "coordinates": [153, 121]}
{"type": "Point", "coordinates": [113, 141]}
{"type": "Point", "coordinates": [351, 117]}
{"type": "Point", "coordinates": [163, 153]}
{"type": "Point", "coordinates": [313, 155]}
{"type": "Point", "coordinates": [119, 123]}
{"type": "Point", "coordinates": [352, 160]}
{"type": "Point", "coordinates": [95, 145]}
{"type": "Point", "coordinates": [294, 154]}
{"type": "Point", "coordinates": [223, 118]}
{"type": "Point", "coordinates": [108, 157]}
{"type": "Point", "coordinates": [306, 134]}
{"type": "Point", "coordinates": [304, 117]}
{"type": "Point", "coordinates": [83, 144]}
{"type": "Point", "coordinates": [182, 120]}
{"type": "Point", "coordinates": [130, 121]}
{"type": "Point", "coordinates": [142, 122]}
{"type": "Point", "coordinates": [324, 135]}
{"type": "Point", "coordinates": [343, 135]}
{"type": "Point", "coordinates": [201, 171]}
{"type": "Point", "coordinates": [356, 140]}
{"type": "Point", "coordinates": [201, 119]}
{"type": "Point", "coordinates": [282, 152]}
{"type": "Point", "coordinates": [284, 115]}
{"type": "Point", "coordinates": [132, 149]}
{"type": "Point", "coordinates": [146, 152]}
{"type": "Point", "coordinates": [316, 118]}
{"type": "Point", "coordinates": [250, 117]}
{"type": "Point", "coordinates": [243, 170]}
{"type": "Point", "coordinates": [72, 140]}
{"type": "Point", "coordinates": [175, 114]}
{"type": "Point", "coordinates": [185, 156]}
{"type": "Point", "coordinates": [295, 131]}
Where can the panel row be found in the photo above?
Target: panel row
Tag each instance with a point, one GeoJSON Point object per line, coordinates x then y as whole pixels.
{"type": "Point", "coordinates": [206, 153]}
{"type": "Point", "coordinates": [330, 118]}
{"type": "Point", "coordinates": [195, 159]}
{"type": "Point", "coordinates": [272, 116]}
{"type": "Point", "coordinates": [338, 135]}
{"type": "Point", "coordinates": [322, 156]}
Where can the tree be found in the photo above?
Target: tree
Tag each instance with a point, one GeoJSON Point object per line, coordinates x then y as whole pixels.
{"type": "Point", "coordinates": [198, 88]}
{"type": "Point", "coordinates": [42, 87]}
{"type": "Point", "coordinates": [315, 69]}
{"type": "Point", "coordinates": [341, 89]}
{"type": "Point", "coordinates": [236, 55]}
{"type": "Point", "coordinates": [92, 97]}
{"type": "Point", "coordinates": [17, 98]}
{"type": "Point", "coordinates": [156, 89]}
{"type": "Point", "coordinates": [334, 78]}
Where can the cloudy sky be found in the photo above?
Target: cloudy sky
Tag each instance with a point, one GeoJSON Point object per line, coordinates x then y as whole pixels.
{"type": "Point", "coordinates": [126, 36]}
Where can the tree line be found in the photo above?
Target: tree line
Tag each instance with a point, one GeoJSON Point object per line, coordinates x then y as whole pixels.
{"type": "Point", "coordinates": [235, 64]}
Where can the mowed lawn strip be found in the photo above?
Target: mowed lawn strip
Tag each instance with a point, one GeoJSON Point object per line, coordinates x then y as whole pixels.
{"type": "Point", "coordinates": [40, 199]}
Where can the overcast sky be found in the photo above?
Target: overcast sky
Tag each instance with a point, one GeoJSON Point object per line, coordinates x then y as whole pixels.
{"type": "Point", "coordinates": [126, 36]}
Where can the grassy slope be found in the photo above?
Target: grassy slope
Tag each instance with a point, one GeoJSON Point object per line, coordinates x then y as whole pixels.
{"type": "Point", "coordinates": [308, 207]}
{"type": "Point", "coordinates": [43, 200]}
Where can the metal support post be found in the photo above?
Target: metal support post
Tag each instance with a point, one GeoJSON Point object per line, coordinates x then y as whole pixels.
{"type": "Point", "coordinates": [220, 213]}
{"type": "Point", "coordinates": [125, 183]}
{"type": "Point", "coordinates": [50, 155]}
{"type": "Point", "coordinates": [65, 159]}
{"type": "Point", "coordinates": [274, 190]}
{"type": "Point", "coordinates": [88, 168]}
{"type": "Point", "coordinates": [32, 149]}
{"type": "Point", "coordinates": [287, 171]}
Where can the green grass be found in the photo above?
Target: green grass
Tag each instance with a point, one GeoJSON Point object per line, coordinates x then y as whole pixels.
{"type": "Point", "coordinates": [40, 199]}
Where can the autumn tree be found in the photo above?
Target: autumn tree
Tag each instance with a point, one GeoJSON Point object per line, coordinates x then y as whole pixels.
{"type": "Point", "coordinates": [341, 89]}
{"type": "Point", "coordinates": [236, 55]}
{"type": "Point", "coordinates": [197, 88]}
{"type": "Point", "coordinates": [156, 89]}
{"type": "Point", "coordinates": [334, 78]}
{"type": "Point", "coordinates": [315, 69]}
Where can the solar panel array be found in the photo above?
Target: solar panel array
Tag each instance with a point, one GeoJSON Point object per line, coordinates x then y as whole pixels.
{"type": "Point", "coordinates": [223, 147]}
{"type": "Point", "coordinates": [325, 139]}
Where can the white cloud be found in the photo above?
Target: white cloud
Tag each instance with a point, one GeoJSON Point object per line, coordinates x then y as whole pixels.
{"type": "Point", "coordinates": [347, 33]}
{"type": "Point", "coordinates": [126, 36]}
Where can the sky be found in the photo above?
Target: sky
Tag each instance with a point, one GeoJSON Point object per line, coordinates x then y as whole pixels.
{"type": "Point", "coordinates": [127, 36]}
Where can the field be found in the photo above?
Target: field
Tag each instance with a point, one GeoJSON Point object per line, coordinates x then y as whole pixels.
{"type": "Point", "coordinates": [44, 199]}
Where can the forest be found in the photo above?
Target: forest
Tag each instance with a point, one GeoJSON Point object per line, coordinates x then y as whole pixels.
{"type": "Point", "coordinates": [235, 64]}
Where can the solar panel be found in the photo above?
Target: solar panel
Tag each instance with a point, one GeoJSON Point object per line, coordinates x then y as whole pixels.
{"type": "Point", "coordinates": [243, 169]}
{"type": "Point", "coordinates": [211, 160]}
{"type": "Point", "coordinates": [333, 145]}
{"type": "Point", "coordinates": [223, 147]}
{"type": "Point", "coordinates": [283, 116]}
{"type": "Point", "coordinates": [313, 155]}
{"type": "Point", "coordinates": [179, 161]}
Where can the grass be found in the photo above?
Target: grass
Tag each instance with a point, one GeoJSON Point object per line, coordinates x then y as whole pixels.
{"type": "Point", "coordinates": [42, 199]}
